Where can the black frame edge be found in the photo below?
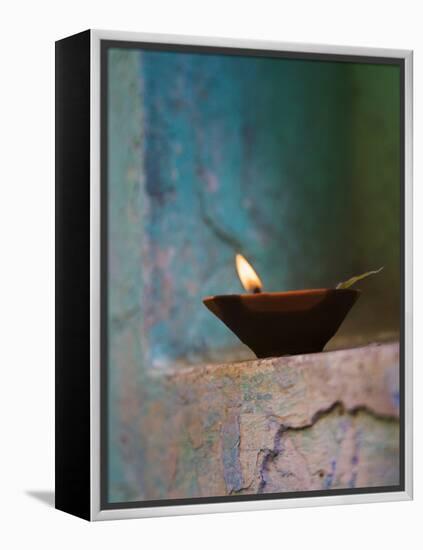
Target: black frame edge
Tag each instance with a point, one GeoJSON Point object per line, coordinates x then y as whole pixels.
{"type": "Point", "coordinates": [72, 206]}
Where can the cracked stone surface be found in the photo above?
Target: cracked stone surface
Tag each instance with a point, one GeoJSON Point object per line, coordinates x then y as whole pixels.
{"type": "Point", "coordinates": [319, 421]}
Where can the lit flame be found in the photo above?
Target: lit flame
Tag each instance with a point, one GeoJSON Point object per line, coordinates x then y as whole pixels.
{"type": "Point", "coordinates": [249, 278]}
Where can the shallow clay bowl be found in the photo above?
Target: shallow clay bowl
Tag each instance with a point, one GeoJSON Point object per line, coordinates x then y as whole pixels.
{"type": "Point", "coordinates": [284, 323]}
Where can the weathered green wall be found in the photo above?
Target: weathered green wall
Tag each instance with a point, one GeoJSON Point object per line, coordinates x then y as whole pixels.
{"type": "Point", "coordinates": [294, 164]}
{"type": "Point", "coordinates": [376, 197]}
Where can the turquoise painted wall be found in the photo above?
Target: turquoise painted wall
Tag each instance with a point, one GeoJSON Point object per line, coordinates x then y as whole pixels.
{"type": "Point", "coordinates": [294, 164]}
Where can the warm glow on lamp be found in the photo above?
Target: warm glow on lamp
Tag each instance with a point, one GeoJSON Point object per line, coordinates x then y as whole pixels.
{"type": "Point", "coordinates": [292, 322]}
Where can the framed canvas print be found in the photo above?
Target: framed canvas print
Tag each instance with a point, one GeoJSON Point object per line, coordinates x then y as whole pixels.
{"type": "Point", "coordinates": [233, 275]}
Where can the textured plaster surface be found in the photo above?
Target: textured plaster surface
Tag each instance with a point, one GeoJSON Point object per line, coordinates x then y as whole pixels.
{"type": "Point", "coordinates": [320, 421]}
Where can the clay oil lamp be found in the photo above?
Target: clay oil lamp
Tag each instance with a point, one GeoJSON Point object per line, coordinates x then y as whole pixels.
{"type": "Point", "coordinates": [283, 323]}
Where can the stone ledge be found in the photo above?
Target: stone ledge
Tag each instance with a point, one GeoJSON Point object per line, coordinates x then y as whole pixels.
{"type": "Point", "coordinates": [365, 377]}
{"type": "Point", "coordinates": [319, 421]}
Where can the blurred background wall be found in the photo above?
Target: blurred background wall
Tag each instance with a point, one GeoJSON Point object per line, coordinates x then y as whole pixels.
{"type": "Point", "coordinates": [295, 164]}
